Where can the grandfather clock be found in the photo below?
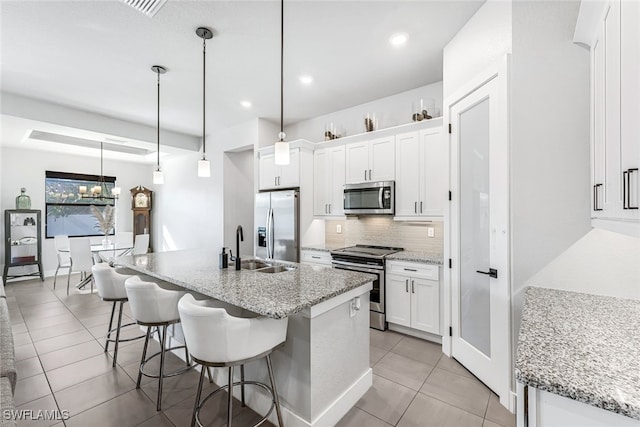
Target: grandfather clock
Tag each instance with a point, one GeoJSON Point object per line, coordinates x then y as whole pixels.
{"type": "Point", "coordinates": [141, 206]}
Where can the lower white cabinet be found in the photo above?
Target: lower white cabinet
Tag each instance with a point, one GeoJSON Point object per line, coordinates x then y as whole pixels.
{"type": "Point", "coordinates": [309, 256]}
{"type": "Point", "coordinates": [413, 296]}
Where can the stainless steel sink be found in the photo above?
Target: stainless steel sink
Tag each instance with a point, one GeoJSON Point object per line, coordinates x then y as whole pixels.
{"type": "Point", "coordinates": [276, 269]}
{"type": "Point", "coordinates": [253, 265]}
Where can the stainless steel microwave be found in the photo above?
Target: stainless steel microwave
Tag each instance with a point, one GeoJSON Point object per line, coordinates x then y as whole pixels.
{"type": "Point", "coordinates": [369, 198]}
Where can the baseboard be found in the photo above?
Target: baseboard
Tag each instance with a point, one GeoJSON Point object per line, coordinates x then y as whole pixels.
{"type": "Point", "coordinates": [415, 333]}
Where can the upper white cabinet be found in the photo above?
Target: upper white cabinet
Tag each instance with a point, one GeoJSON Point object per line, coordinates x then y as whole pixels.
{"type": "Point", "coordinates": [615, 88]}
{"type": "Point", "coordinates": [274, 176]}
{"type": "Point", "coordinates": [370, 161]}
{"type": "Point", "coordinates": [421, 173]}
{"type": "Point", "coordinates": [328, 180]}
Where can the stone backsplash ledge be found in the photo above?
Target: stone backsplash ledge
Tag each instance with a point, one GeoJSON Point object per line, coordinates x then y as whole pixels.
{"type": "Point", "coordinates": [384, 231]}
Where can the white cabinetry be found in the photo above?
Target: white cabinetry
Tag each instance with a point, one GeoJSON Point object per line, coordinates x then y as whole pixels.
{"type": "Point", "coordinates": [421, 173]}
{"type": "Point", "coordinates": [310, 256]}
{"type": "Point", "coordinates": [274, 176]}
{"type": "Point", "coordinates": [328, 180]}
{"type": "Point", "coordinates": [615, 88]}
{"type": "Point", "coordinates": [371, 161]}
{"type": "Point", "coordinates": [413, 296]}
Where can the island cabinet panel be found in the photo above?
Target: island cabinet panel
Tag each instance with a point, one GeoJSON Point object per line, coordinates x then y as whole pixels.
{"type": "Point", "coordinates": [413, 296]}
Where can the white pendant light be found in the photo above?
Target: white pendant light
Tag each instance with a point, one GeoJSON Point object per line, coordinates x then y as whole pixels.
{"type": "Point", "coordinates": [204, 167]}
{"type": "Point", "coordinates": [281, 148]}
{"type": "Point", "coordinates": [158, 176]}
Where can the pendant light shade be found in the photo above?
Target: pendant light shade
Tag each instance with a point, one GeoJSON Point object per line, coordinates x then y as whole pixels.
{"type": "Point", "coordinates": [204, 167]}
{"type": "Point", "coordinates": [281, 147]}
{"type": "Point", "coordinates": [158, 176]}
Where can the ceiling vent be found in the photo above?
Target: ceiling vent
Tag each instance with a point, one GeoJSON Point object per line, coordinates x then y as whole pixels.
{"type": "Point", "coordinates": [148, 7]}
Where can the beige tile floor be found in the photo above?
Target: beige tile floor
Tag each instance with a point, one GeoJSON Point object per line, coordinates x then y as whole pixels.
{"type": "Point", "coordinates": [61, 366]}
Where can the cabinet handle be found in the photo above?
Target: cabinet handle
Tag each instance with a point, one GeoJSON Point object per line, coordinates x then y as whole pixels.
{"type": "Point", "coordinates": [415, 207]}
{"type": "Point", "coordinates": [420, 207]}
{"type": "Point", "coordinates": [410, 269]}
{"type": "Point", "coordinates": [365, 174]}
{"type": "Point", "coordinates": [406, 285]}
{"type": "Point", "coordinates": [413, 289]}
{"type": "Point", "coordinates": [369, 174]}
{"type": "Point", "coordinates": [275, 181]}
{"type": "Point", "coordinates": [626, 204]}
{"type": "Point", "coordinates": [596, 197]}
{"type": "Point", "coordinates": [315, 257]}
{"type": "Point", "coordinates": [329, 207]}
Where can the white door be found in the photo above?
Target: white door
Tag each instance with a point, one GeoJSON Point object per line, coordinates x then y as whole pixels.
{"type": "Point", "coordinates": [335, 182]}
{"type": "Point", "coordinates": [290, 174]}
{"type": "Point", "coordinates": [433, 178]}
{"type": "Point", "coordinates": [320, 178]}
{"type": "Point", "coordinates": [479, 228]}
{"type": "Point", "coordinates": [268, 172]}
{"type": "Point", "coordinates": [398, 300]}
{"type": "Point", "coordinates": [382, 163]}
{"type": "Point", "coordinates": [357, 158]}
{"type": "Point", "coordinates": [425, 305]}
{"type": "Point", "coordinates": [408, 171]}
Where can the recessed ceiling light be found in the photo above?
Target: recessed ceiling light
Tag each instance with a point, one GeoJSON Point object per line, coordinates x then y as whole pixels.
{"type": "Point", "coordinates": [246, 104]}
{"type": "Point", "coordinates": [398, 39]}
{"type": "Point", "coordinates": [306, 79]}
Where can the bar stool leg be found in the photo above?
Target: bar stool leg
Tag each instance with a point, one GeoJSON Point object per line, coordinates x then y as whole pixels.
{"type": "Point", "coordinates": [242, 384]}
{"type": "Point", "coordinates": [186, 355]}
{"type": "Point", "coordinates": [209, 374]}
{"type": "Point", "coordinates": [198, 394]}
{"type": "Point", "coordinates": [115, 352]}
{"type": "Point", "coordinates": [230, 398]}
{"type": "Point", "coordinates": [144, 355]}
{"type": "Point", "coordinates": [162, 351]}
{"type": "Point", "coordinates": [275, 391]}
{"type": "Point", "coordinates": [106, 343]}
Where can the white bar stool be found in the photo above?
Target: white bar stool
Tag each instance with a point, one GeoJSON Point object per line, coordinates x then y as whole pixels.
{"type": "Point", "coordinates": [110, 285]}
{"type": "Point", "coordinates": [217, 339]}
{"type": "Point", "coordinates": [153, 305]}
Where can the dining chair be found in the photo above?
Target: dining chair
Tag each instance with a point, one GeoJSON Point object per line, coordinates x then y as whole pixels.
{"type": "Point", "coordinates": [141, 244]}
{"type": "Point", "coordinates": [61, 243]}
{"type": "Point", "coordinates": [81, 259]}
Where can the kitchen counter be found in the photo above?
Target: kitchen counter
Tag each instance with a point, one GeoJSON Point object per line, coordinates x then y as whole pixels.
{"type": "Point", "coordinates": [275, 295]}
{"type": "Point", "coordinates": [581, 346]}
{"type": "Point", "coordinates": [321, 248]}
{"type": "Point", "coordinates": [420, 257]}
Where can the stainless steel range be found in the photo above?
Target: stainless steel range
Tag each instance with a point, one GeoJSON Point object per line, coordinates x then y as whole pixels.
{"type": "Point", "coordinates": [368, 259]}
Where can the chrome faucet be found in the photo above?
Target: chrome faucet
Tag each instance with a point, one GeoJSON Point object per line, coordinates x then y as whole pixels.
{"type": "Point", "coordinates": [239, 238]}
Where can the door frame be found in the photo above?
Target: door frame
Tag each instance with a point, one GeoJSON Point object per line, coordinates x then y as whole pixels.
{"type": "Point", "coordinates": [498, 71]}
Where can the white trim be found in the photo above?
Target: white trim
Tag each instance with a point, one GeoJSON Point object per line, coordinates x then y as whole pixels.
{"type": "Point", "coordinates": [590, 16]}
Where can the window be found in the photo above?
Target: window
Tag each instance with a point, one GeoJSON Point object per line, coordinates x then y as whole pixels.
{"type": "Point", "coordinates": [67, 213]}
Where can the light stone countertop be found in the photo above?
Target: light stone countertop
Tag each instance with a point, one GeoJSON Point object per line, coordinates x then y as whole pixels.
{"type": "Point", "coordinates": [581, 346]}
{"type": "Point", "coordinates": [275, 295]}
{"type": "Point", "coordinates": [420, 257]}
{"type": "Point", "coordinates": [319, 247]}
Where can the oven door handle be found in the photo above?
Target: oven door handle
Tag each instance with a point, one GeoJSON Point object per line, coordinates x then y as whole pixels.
{"type": "Point", "coordinates": [358, 267]}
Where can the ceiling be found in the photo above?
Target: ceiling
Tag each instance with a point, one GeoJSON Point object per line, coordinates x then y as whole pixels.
{"type": "Point", "coordinates": [96, 56]}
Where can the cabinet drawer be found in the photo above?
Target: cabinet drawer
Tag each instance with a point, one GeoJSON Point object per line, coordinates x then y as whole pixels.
{"type": "Point", "coordinates": [316, 257]}
{"type": "Point", "coordinates": [412, 269]}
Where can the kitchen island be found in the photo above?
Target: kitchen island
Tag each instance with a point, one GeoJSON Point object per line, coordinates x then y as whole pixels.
{"type": "Point", "coordinates": [323, 368]}
{"type": "Point", "coordinates": [578, 361]}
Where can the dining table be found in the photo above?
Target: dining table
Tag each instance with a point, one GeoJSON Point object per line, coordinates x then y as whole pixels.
{"type": "Point", "coordinates": [103, 253]}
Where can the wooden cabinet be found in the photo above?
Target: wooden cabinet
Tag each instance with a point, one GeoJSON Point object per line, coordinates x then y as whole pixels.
{"type": "Point", "coordinates": [372, 160]}
{"type": "Point", "coordinates": [328, 181]}
{"type": "Point", "coordinates": [310, 256]}
{"type": "Point", "coordinates": [421, 173]}
{"type": "Point", "coordinates": [23, 242]}
{"type": "Point", "coordinates": [413, 296]}
{"type": "Point", "coordinates": [275, 176]}
{"type": "Point", "coordinates": [615, 88]}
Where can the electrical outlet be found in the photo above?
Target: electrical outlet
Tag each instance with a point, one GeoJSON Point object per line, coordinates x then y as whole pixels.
{"type": "Point", "coordinates": [431, 232]}
{"type": "Point", "coordinates": [339, 228]}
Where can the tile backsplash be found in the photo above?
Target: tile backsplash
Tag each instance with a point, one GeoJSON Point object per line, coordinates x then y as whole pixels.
{"type": "Point", "coordinates": [384, 231]}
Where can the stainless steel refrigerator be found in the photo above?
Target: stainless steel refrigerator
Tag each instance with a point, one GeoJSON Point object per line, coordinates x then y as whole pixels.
{"type": "Point", "coordinates": [277, 221]}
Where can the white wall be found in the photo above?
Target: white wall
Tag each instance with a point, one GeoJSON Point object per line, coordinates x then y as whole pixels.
{"type": "Point", "coordinates": [550, 192]}
{"type": "Point", "coordinates": [390, 111]}
{"type": "Point", "coordinates": [485, 38]}
{"type": "Point", "coordinates": [26, 168]}
{"type": "Point", "coordinates": [239, 199]}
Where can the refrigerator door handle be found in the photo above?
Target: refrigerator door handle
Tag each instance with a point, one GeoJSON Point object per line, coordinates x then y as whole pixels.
{"type": "Point", "coordinates": [268, 226]}
{"type": "Point", "coordinates": [272, 240]}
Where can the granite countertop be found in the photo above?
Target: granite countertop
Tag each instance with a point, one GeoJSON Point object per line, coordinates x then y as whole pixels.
{"type": "Point", "coordinates": [582, 346]}
{"type": "Point", "coordinates": [320, 247]}
{"type": "Point", "coordinates": [274, 295]}
{"type": "Point", "coordinates": [421, 257]}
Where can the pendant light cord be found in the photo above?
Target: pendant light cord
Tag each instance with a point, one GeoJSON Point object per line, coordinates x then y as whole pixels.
{"type": "Point", "coordinates": [204, 79]}
{"type": "Point", "coordinates": [158, 135]}
{"type": "Point", "coordinates": [281, 69]}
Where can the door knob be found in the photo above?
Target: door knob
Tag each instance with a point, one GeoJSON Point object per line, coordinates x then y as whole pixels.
{"type": "Point", "coordinates": [491, 273]}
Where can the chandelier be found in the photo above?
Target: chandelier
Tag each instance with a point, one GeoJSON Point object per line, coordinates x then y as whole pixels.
{"type": "Point", "coordinates": [100, 190]}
